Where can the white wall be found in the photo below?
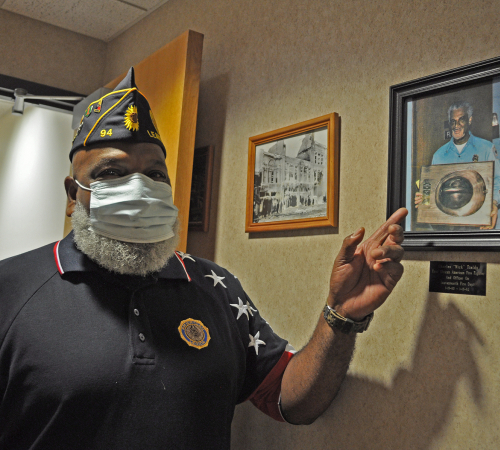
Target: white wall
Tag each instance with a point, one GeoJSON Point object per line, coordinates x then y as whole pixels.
{"type": "Point", "coordinates": [34, 160]}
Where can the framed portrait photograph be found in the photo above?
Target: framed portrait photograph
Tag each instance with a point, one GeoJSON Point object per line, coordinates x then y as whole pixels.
{"type": "Point", "coordinates": [444, 164]}
{"type": "Point", "coordinates": [293, 176]}
{"type": "Point", "coordinates": [201, 189]}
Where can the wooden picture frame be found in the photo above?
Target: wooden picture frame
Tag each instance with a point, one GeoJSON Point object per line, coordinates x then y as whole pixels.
{"type": "Point", "coordinates": [292, 178]}
{"type": "Point", "coordinates": [201, 189]}
{"type": "Point", "coordinates": [423, 133]}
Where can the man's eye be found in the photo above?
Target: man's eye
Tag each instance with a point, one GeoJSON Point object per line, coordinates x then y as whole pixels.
{"type": "Point", "coordinates": [156, 175]}
{"type": "Point", "coordinates": [109, 173]}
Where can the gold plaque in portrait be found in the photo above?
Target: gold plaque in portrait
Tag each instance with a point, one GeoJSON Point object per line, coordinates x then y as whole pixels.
{"type": "Point", "coordinates": [457, 194]}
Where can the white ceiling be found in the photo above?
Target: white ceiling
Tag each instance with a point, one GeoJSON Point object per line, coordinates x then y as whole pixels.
{"type": "Point", "coordinates": [101, 19]}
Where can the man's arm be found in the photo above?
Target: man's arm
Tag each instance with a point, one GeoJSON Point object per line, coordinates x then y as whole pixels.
{"type": "Point", "coordinates": [362, 278]}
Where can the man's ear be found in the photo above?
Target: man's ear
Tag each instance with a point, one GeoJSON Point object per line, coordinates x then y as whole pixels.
{"type": "Point", "coordinates": [71, 188]}
{"type": "Point", "coordinates": [470, 120]}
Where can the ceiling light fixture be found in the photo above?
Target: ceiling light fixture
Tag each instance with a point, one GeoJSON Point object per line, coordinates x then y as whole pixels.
{"type": "Point", "coordinates": [22, 94]}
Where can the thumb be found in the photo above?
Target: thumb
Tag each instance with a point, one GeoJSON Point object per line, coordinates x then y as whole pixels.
{"type": "Point", "coordinates": [349, 246]}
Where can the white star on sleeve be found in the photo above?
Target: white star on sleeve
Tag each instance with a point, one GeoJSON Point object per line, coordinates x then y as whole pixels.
{"type": "Point", "coordinates": [250, 309]}
{"type": "Point", "coordinates": [255, 342]}
{"type": "Point", "coordinates": [185, 255]}
{"type": "Point", "coordinates": [242, 309]}
{"type": "Point", "coordinates": [216, 279]}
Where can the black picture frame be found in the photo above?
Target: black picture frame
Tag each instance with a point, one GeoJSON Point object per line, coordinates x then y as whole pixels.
{"type": "Point", "coordinates": [455, 80]}
{"type": "Point", "coordinates": [201, 189]}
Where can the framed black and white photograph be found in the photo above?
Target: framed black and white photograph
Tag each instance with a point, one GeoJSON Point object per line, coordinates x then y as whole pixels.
{"type": "Point", "coordinates": [292, 177]}
{"type": "Point", "coordinates": [444, 164]}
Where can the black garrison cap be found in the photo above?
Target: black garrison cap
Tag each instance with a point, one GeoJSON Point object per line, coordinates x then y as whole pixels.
{"type": "Point", "coordinates": [123, 115]}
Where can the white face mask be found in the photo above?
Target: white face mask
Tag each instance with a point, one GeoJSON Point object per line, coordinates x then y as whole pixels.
{"type": "Point", "coordinates": [133, 208]}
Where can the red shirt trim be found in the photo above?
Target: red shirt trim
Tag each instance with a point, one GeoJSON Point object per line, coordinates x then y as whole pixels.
{"type": "Point", "coordinates": [183, 265]}
{"type": "Point", "coordinates": [56, 257]}
{"type": "Point", "coordinates": [266, 397]}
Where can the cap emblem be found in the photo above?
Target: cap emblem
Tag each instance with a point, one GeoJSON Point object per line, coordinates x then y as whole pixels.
{"type": "Point", "coordinates": [88, 111]}
{"type": "Point", "coordinates": [194, 333]}
{"type": "Point", "coordinates": [132, 118]}
{"type": "Point", "coordinates": [78, 129]}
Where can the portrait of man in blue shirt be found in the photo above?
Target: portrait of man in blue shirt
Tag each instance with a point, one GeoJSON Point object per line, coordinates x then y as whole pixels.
{"type": "Point", "coordinates": [464, 147]}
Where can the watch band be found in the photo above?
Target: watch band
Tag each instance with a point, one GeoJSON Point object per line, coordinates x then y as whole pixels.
{"type": "Point", "coordinates": [347, 326]}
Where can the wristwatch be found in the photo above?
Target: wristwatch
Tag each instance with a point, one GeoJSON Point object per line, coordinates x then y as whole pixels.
{"type": "Point", "coordinates": [347, 326]}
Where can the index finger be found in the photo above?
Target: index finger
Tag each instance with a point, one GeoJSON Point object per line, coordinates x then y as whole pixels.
{"type": "Point", "coordinates": [381, 234]}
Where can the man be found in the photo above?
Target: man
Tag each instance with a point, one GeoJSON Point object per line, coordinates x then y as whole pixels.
{"type": "Point", "coordinates": [464, 147]}
{"type": "Point", "coordinates": [111, 340]}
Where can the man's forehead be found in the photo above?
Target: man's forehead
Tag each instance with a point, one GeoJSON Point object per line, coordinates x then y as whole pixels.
{"type": "Point", "coordinates": [459, 112]}
{"type": "Point", "coordinates": [150, 154]}
{"type": "Point", "coordinates": [123, 158]}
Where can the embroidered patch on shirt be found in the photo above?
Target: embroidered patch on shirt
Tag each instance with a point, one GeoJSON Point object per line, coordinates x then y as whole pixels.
{"type": "Point", "coordinates": [194, 333]}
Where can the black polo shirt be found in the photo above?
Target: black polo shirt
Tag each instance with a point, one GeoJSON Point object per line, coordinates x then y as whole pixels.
{"type": "Point", "coordinates": [95, 360]}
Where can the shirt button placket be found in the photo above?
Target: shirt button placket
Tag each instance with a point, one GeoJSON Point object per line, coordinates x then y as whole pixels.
{"type": "Point", "coordinates": [139, 329]}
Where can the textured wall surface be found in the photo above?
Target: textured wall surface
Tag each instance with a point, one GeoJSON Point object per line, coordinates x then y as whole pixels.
{"type": "Point", "coordinates": [35, 51]}
{"type": "Point", "coordinates": [426, 375]}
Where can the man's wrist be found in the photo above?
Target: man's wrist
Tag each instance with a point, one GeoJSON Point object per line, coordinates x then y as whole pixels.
{"type": "Point", "coordinates": [347, 326]}
{"type": "Point", "coordinates": [340, 309]}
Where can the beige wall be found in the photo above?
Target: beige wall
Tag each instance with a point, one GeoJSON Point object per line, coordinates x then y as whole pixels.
{"type": "Point", "coordinates": [425, 376]}
{"type": "Point", "coordinates": [35, 51]}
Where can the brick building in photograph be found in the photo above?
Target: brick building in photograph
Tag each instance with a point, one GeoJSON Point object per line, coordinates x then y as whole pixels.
{"type": "Point", "coordinates": [285, 184]}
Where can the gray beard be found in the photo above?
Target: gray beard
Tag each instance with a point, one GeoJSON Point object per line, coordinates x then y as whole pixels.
{"type": "Point", "coordinates": [126, 258]}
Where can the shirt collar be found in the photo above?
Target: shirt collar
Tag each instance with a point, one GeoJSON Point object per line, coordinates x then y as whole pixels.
{"type": "Point", "coordinates": [451, 142]}
{"type": "Point", "coordinates": [69, 259]}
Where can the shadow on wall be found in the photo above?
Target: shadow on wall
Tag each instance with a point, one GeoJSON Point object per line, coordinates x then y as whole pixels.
{"type": "Point", "coordinates": [210, 131]}
{"type": "Point", "coordinates": [369, 415]}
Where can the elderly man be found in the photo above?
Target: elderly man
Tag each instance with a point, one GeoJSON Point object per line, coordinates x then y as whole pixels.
{"type": "Point", "coordinates": [109, 339]}
{"type": "Point", "coordinates": [464, 147]}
